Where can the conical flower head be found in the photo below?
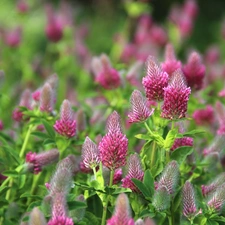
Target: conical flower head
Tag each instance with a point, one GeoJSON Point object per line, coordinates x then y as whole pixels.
{"type": "Point", "coordinates": [155, 81]}
{"type": "Point", "coordinates": [217, 182]}
{"type": "Point", "coordinates": [59, 211]}
{"type": "Point", "coordinates": [121, 214]}
{"type": "Point", "coordinates": [113, 150]}
{"type": "Point", "coordinates": [161, 198]}
{"type": "Point", "coordinates": [217, 200]}
{"type": "Point", "coordinates": [113, 124]}
{"type": "Point", "coordinates": [134, 171]}
{"type": "Point", "coordinates": [105, 75]}
{"type": "Point", "coordinates": [179, 142]}
{"type": "Point", "coordinates": [37, 161]}
{"type": "Point", "coordinates": [61, 180]}
{"type": "Point", "coordinates": [66, 126]}
{"type": "Point", "coordinates": [204, 116]}
{"type": "Point", "coordinates": [176, 97]}
{"type": "Point", "coordinates": [194, 71]}
{"type": "Point", "coordinates": [169, 177]}
{"type": "Point", "coordinates": [37, 217]}
{"type": "Point", "coordinates": [189, 201]}
{"type": "Point", "coordinates": [139, 110]}
{"type": "Point", "coordinates": [46, 100]}
{"type": "Point", "coordinates": [90, 154]}
{"type": "Point", "coordinates": [171, 64]}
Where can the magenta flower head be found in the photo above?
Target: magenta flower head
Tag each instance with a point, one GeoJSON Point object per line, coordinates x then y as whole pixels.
{"type": "Point", "coordinates": [139, 110]}
{"type": "Point", "coordinates": [54, 27]}
{"type": "Point", "coordinates": [37, 217]}
{"type": "Point", "coordinates": [169, 178]}
{"type": "Point", "coordinates": [59, 211]}
{"type": "Point", "coordinates": [176, 96]}
{"type": "Point", "coordinates": [210, 188]}
{"type": "Point", "coordinates": [134, 170]}
{"type": "Point", "coordinates": [217, 201]}
{"type": "Point", "coordinates": [171, 64]}
{"type": "Point", "coordinates": [35, 162]}
{"type": "Point", "coordinates": [194, 71]}
{"type": "Point", "coordinates": [105, 75]}
{"type": "Point", "coordinates": [189, 200]}
{"type": "Point", "coordinates": [66, 125]}
{"type": "Point", "coordinates": [46, 99]}
{"type": "Point", "coordinates": [113, 146]}
{"type": "Point", "coordinates": [1, 125]}
{"type": "Point", "coordinates": [155, 81]}
{"type": "Point", "coordinates": [122, 213]}
{"type": "Point", "coordinates": [117, 177]}
{"type": "Point", "coordinates": [191, 8]}
{"type": "Point", "coordinates": [179, 142]}
{"type": "Point", "coordinates": [13, 37]}
{"type": "Point", "coordinates": [25, 101]}
{"type": "Point", "coordinates": [90, 154]}
{"type": "Point", "coordinates": [204, 116]}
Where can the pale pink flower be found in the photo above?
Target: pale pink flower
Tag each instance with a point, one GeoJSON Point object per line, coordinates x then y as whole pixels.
{"type": "Point", "coordinates": [47, 98]}
{"type": "Point", "coordinates": [176, 96]}
{"type": "Point", "coordinates": [90, 154]}
{"type": "Point", "coordinates": [139, 110]}
{"type": "Point", "coordinates": [35, 162]}
{"type": "Point", "coordinates": [37, 217]}
{"type": "Point", "coordinates": [212, 54]}
{"type": "Point", "coordinates": [189, 200]}
{"type": "Point", "coordinates": [134, 170]}
{"type": "Point", "coordinates": [66, 125]}
{"type": "Point", "coordinates": [13, 37]}
{"type": "Point", "coordinates": [190, 8]}
{"type": "Point", "coordinates": [155, 81]}
{"type": "Point", "coordinates": [121, 215]}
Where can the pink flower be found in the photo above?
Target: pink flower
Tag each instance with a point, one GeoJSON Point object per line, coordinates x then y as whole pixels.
{"type": "Point", "coordinates": [204, 116]}
{"type": "Point", "coordinates": [35, 161]}
{"type": "Point", "coordinates": [59, 211]}
{"type": "Point", "coordinates": [13, 37]}
{"type": "Point", "coordinates": [210, 188]}
{"type": "Point", "coordinates": [189, 200]}
{"type": "Point", "coordinates": [54, 27]}
{"type": "Point", "coordinates": [25, 101]}
{"type": "Point", "coordinates": [217, 200]}
{"type": "Point", "coordinates": [155, 81]}
{"type": "Point", "coordinates": [212, 54]}
{"type": "Point", "coordinates": [158, 35]}
{"type": "Point", "coordinates": [117, 176]}
{"type": "Point", "coordinates": [139, 110]}
{"type": "Point", "coordinates": [220, 112]}
{"type": "Point", "coordinates": [37, 217]}
{"type": "Point", "coordinates": [121, 215]}
{"type": "Point", "coordinates": [46, 99]}
{"type": "Point", "coordinates": [194, 71]}
{"type": "Point", "coordinates": [22, 6]}
{"type": "Point", "coordinates": [179, 142]}
{"type": "Point", "coordinates": [176, 96]}
{"type": "Point", "coordinates": [66, 126]}
{"type": "Point", "coordinates": [171, 64]}
{"type": "Point", "coordinates": [169, 177]}
{"type": "Point", "coordinates": [36, 95]}
{"type": "Point", "coordinates": [134, 170]}
{"type": "Point", "coordinates": [90, 154]}
{"type": "Point", "coordinates": [190, 8]}
{"type": "Point", "coordinates": [113, 146]}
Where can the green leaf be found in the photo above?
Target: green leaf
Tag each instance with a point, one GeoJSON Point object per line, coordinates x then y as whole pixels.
{"type": "Point", "coordinates": [143, 136]}
{"type": "Point", "coordinates": [142, 187]}
{"type": "Point", "coordinates": [40, 135]}
{"type": "Point", "coordinates": [13, 153]}
{"type": "Point", "coordinates": [180, 154]}
{"type": "Point", "coordinates": [49, 128]}
{"type": "Point", "coordinates": [149, 181]}
{"type": "Point", "coordinates": [28, 195]}
{"type": "Point", "coordinates": [135, 9]}
{"type": "Point", "coordinates": [157, 138]}
{"type": "Point", "coordinates": [22, 181]}
{"type": "Point", "coordinates": [211, 222]}
{"type": "Point", "coordinates": [49, 142]}
{"type": "Point", "coordinates": [193, 133]}
{"type": "Point", "coordinates": [77, 205]}
{"type": "Point", "coordinates": [119, 190]}
{"type": "Point", "coordinates": [3, 189]}
{"type": "Point", "coordinates": [171, 136]}
{"type": "Point", "coordinates": [10, 173]}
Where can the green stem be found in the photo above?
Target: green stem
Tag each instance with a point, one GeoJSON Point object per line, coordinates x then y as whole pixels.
{"type": "Point", "coordinates": [10, 188]}
{"type": "Point", "coordinates": [105, 206]}
{"type": "Point", "coordinates": [153, 154]}
{"type": "Point", "coordinates": [172, 125]}
{"type": "Point", "coordinates": [170, 220]}
{"type": "Point", "coordinates": [167, 156]}
{"type": "Point", "coordinates": [147, 127]}
{"type": "Point", "coordinates": [22, 151]}
{"type": "Point", "coordinates": [34, 185]}
{"type": "Point", "coordinates": [94, 170]}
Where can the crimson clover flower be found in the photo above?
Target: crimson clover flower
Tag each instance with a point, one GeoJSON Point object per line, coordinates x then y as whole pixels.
{"type": "Point", "coordinates": [155, 81]}
{"type": "Point", "coordinates": [176, 96]}
{"type": "Point", "coordinates": [66, 125]}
